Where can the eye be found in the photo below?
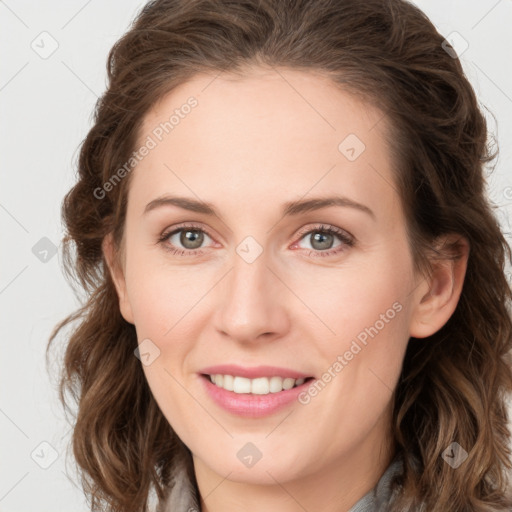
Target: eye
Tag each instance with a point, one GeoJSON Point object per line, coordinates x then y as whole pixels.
{"type": "Point", "coordinates": [187, 240]}
{"type": "Point", "coordinates": [321, 240]}
{"type": "Point", "coordinates": [190, 237]}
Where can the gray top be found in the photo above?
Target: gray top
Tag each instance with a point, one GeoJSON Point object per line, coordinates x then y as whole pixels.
{"type": "Point", "coordinates": [378, 499]}
{"type": "Point", "coordinates": [183, 498]}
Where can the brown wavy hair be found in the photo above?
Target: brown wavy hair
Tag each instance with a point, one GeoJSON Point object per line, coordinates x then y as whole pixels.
{"type": "Point", "coordinates": [453, 385]}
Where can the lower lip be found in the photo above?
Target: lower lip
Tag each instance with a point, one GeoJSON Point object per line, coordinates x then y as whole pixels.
{"type": "Point", "coordinates": [249, 405]}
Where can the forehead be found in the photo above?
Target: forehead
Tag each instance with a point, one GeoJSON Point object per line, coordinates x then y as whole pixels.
{"type": "Point", "coordinates": [263, 135]}
{"type": "Point", "coordinates": [267, 99]}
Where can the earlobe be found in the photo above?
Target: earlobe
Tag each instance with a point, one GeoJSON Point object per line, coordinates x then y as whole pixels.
{"type": "Point", "coordinates": [117, 274]}
{"type": "Point", "coordinates": [438, 296]}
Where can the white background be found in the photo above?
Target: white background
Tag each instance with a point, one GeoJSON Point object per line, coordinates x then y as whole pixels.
{"type": "Point", "coordinates": [45, 111]}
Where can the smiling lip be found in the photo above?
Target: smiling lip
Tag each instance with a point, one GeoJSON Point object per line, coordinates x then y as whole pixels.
{"type": "Point", "coordinates": [253, 373]}
{"type": "Point", "coordinates": [247, 404]}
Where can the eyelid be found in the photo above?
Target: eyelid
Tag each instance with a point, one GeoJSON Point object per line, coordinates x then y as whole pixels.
{"type": "Point", "coordinates": [185, 225]}
{"type": "Point", "coordinates": [342, 233]}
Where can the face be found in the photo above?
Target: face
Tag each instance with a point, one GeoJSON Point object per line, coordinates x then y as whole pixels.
{"type": "Point", "coordinates": [274, 283]}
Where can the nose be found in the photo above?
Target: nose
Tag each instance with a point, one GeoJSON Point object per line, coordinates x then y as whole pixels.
{"type": "Point", "coordinates": [253, 302]}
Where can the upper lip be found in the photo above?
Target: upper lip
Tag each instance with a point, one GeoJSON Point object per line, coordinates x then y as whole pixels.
{"type": "Point", "coordinates": [253, 372]}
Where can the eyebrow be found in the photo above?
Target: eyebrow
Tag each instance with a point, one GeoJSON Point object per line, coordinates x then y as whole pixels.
{"type": "Point", "coordinates": [290, 208]}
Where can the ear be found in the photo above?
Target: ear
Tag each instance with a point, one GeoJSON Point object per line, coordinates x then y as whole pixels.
{"type": "Point", "coordinates": [438, 295]}
{"type": "Point", "coordinates": [114, 265]}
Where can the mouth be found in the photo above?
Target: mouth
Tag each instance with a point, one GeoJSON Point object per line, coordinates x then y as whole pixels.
{"type": "Point", "coordinates": [253, 392]}
{"type": "Point", "coordinates": [257, 386]}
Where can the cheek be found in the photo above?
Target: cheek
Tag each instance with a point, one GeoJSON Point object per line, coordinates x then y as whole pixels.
{"type": "Point", "coordinates": [367, 311]}
{"type": "Point", "coordinates": [362, 361]}
{"type": "Point", "coordinates": [350, 301]}
{"type": "Point", "coordinates": [161, 296]}
{"type": "Point", "coordinates": [367, 350]}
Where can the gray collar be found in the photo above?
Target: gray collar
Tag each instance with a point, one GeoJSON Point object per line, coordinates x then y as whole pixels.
{"type": "Point", "coordinates": [379, 498]}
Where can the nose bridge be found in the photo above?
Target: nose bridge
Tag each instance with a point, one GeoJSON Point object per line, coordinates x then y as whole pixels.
{"type": "Point", "coordinates": [252, 302]}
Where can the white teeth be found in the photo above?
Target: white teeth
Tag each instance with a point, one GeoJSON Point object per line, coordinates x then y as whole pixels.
{"type": "Point", "coordinates": [288, 383]}
{"type": "Point", "coordinates": [259, 386]}
{"type": "Point", "coordinates": [241, 385]}
{"type": "Point", "coordinates": [276, 384]}
{"type": "Point", "coordinates": [228, 382]}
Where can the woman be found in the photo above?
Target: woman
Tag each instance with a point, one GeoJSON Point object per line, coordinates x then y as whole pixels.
{"type": "Point", "coordinates": [297, 289]}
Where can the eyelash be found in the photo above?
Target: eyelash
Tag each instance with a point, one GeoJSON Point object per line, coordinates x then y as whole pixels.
{"type": "Point", "coordinates": [345, 238]}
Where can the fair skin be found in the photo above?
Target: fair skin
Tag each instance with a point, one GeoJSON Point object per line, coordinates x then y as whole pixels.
{"type": "Point", "coordinates": [250, 146]}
